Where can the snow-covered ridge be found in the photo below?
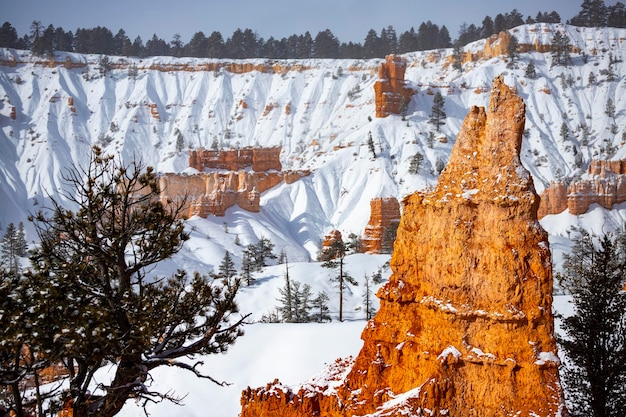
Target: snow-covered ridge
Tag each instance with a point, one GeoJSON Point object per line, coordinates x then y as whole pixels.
{"type": "Point", "coordinates": [320, 112]}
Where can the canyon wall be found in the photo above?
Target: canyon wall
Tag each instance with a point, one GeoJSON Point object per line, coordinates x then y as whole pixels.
{"type": "Point", "coordinates": [384, 213]}
{"type": "Point", "coordinates": [605, 185]}
{"type": "Point", "coordinates": [465, 324]}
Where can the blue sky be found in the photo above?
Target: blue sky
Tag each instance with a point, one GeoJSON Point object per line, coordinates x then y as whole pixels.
{"type": "Point", "coordinates": [349, 20]}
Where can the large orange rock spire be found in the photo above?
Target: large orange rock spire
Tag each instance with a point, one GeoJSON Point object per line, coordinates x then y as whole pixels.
{"type": "Point", "coordinates": [465, 325]}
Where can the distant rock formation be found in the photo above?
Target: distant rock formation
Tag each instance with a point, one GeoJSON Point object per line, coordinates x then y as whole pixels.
{"type": "Point", "coordinates": [224, 182]}
{"type": "Point", "coordinates": [465, 325]}
{"type": "Point", "coordinates": [391, 94]}
{"type": "Point", "coordinates": [605, 185]}
{"type": "Point", "coordinates": [259, 159]}
{"type": "Point", "coordinates": [384, 217]}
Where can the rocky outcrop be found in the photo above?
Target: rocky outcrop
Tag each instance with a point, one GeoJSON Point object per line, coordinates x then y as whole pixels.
{"type": "Point", "coordinates": [259, 159]}
{"type": "Point", "coordinates": [465, 325]}
{"type": "Point", "coordinates": [392, 96]}
{"type": "Point", "coordinates": [605, 185]}
{"type": "Point", "coordinates": [214, 192]}
{"type": "Point", "coordinates": [384, 214]}
{"type": "Point", "coordinates": [330, 238]}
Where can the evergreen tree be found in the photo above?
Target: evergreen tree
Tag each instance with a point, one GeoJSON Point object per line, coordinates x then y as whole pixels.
{"type": "Point", "coordinates": [593, 13]}
{"type": "Point", "coordinates": [370, 144]}
{"type": "Point", "coordinates": [303, 303]}
{"type": "Point", "coordinates": [13, 247]}
{"type": "Point", "coordinates": [107, 311]}
{"type": "Point", "coordinates": [416, 163]}
{"type": "Point", "coordinates": [334, 257]}
{"type": "Point", "coordinates": [560, 49]}
{"type": "Point", "coordinates": [594, 273]}
{"type": "Point", "coordinates": [592, 80]}
{"type": "Point", "coordinates": [321, 312]}
{"type": "Point", "coordinates": [287, 300]}
{"type": "Point", "coordinates": [609, 109]}
{"type": "Point", "coordinates": [8, 36]}
{"type": "Point", "coordinates": [457, 53]}
{"type": "Point", "coordinates": [564, 132]}
{"type": "Point", "coordinates": [370, 311]}
{"type": "Point", "coordinates": [180, 140]}
{"type": "Point", "coordinates": [512, 51]}
{"type": "Point", "coordinates": [247, 266]}
{"type": "Point", "coordinates": [438, 113]}
{"type": "Point", "coordinates": [227, 270]}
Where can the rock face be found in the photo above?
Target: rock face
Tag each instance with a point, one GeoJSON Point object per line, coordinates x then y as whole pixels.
{"type": "Point", "coordinates": [259, 159]}
{"type": "Point", "coordinates": [224, 182]}
{"type": "Point", "coordinates": [465, 325]}
{"type": "Point", "coordinates": [605, 185]}
{"type": "Point", "coordinates": [384, 214]}
{"type": "Point", "coordinates": [391, 93]}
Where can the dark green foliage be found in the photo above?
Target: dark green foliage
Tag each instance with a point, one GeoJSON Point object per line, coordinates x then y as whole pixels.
{"type": "Point", "coordinates": [416, 163]}
{"type": "Point", "coordinates": [333, 258]}
{"type": "Point", "coordinates": [609, 109]}
{"type": "Point", "coordinates": [95, 305]}
{"type": "Point", "coordinates": [564, 132]}
{"type": "Point", "coordinates": [370, 144]}
{"type": "Point", "coordinates": [355, 244]}
{"type": "Point", "coordinates": [560, 49]}
{"type": "Point", "coordinates": [594, 273]}
{"type": "Point", "coordinates": [593, 13]}
{"type": "Point", "coordinates": [13, 247]}
{"type": "Point", "coordinates": [180, 140]}
{"type": "Point", "coordinates": [512, 49]}
{"type": "Point", "coordinates": [438, 112]}
{"type": "Point", "coordinates": [319, 308]}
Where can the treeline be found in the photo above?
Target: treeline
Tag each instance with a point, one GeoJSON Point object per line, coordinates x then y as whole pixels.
{"type": "Point", "coordinates": [248, 44]}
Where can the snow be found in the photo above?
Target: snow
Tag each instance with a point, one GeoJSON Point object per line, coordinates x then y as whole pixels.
{"type": "Point", "coordinates": [331, 114]}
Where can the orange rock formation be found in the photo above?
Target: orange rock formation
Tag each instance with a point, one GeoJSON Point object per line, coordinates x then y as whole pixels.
{"type": "Point", "coordinates": [391, 93]}
{"type": "Point", "coordinates": [260, 159]}
{"type": "Point", "coordinates": [465, 326]}
{"type": "Point", "coordinates": [384, 213]}
{"type": "Point", "coordinates": [605, 185]}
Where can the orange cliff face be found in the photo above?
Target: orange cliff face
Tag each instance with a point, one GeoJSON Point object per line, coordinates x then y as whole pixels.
{"type": "Point", "coordinates": [605, 186]}
{"type": "Point", "coordinates": [391, 94]}
{"type": "Point", "coordinates": [465, 324]}
{"type": "Point", "coordinates": [384, 214]}
{"type": "Point", "coordinates": [224, 182]}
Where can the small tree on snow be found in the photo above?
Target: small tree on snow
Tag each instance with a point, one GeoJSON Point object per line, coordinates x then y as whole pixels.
{"type": "Point", "coordinates": [333, 258]}
{"type": "Point", "coordinates": [416, 163]}
{"type": "Point", "coordinates": [438, 113]}
{"type": "Point", "coordinates": [13, 247]}
{"type": "Point", "coordinates": [321, 312]}
{"type": "Point", "coordinates": [368, 299]}
{"type": "Point", "coordinates": [227, 268]}
{"type": "Point", "coordinates": [370, 144]}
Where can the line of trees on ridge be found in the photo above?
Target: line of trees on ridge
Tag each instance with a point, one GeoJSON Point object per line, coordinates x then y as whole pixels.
{"type": "Point", "coordinates": [246, 43]}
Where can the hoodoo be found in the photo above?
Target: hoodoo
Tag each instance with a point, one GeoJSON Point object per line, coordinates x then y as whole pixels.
{"type": "Point", "coordinates": [465, 326]}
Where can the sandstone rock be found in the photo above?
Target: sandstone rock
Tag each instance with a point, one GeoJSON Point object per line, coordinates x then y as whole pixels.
{"type": "Point", "coordinates": [465, 326]}
{"type": "Point", "coordinates": [391, 94]}
{"type": "Point", "coordinates": [605, 185]}
{"type": "Point", "coordinates": [260, 159]}
{"type": "Point", "coordinates": [384, 213]}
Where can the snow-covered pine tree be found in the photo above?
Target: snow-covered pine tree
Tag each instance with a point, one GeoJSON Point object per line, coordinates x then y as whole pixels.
{"type": "Point", "coordinates": [438, 112]}
{"type": "Point", "coordinates": [227, 268]}
{"type": "Point", "coordinates": [368, 299]}
{"type": "Point", "coordinates": [321, 312]}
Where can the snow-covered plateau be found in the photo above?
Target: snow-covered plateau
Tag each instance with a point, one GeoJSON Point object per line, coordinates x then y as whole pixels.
{"type": "Point", "coordinates": [321, 112]}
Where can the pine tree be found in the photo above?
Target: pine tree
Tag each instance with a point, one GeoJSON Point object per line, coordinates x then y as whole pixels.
{"type": "Point", "coordinates": [13, 246]}
{"type": "Point", "coordinates": [247, 266]}
{"type": "Point", "coordinates": [321, 312]}
{"type": "Point", "coordinates": [438, 113]}
{"type": "Point", "coordinates": [560, 49]}
{"type": "Point", "coordinates": [333, 258]}
{"type": "Point", "coordinates": [531, 71]}
{"type": "Point", "coordinates": [512, 51]}
{"type": "Point", "coordinates": [564, 132]}
{"type": "Point", "coordinates": [370, 144]}
{"type": "Point", "coordinates": [416, 163]}
{"type": "Point", "coordinates": [594, 273]}
{"type": "Point", "coordinates": [287, 299]}
{"type": "Point", "coordinates": [609, 109]}
{"type": "Point", "coordinates": [227, 268]}
{"type": "Point", "coordinates": [370, 311]}
{"type": "Point", "coordinates": [303, 303]}
{"type": "Point", "coordinates": [108, 311]}
{"type": "Point", "coordinates": [180, 141]}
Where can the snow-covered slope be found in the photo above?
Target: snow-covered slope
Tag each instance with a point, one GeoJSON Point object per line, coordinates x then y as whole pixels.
{"type": "Point", "coordinates": [321, 115]}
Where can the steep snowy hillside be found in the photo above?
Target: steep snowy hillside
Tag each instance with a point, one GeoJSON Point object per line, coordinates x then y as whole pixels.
{"type": "Point", "coordinates": [320, 111]}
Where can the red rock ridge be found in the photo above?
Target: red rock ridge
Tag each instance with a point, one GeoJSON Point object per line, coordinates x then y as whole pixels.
{"type": "Point", "coordinates": [260, 159]}
{"type": "Point", "coordinates": [383, 213]}
{"type": "Point", "coordinates": [465, 326]}
{"type": "Point", "coordinates": [605, 186]}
